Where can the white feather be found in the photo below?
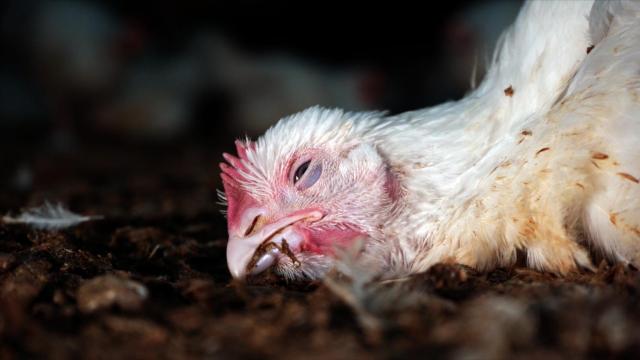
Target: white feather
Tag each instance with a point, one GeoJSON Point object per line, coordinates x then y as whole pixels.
{"type": "Point", "coordinates": [48, 217]}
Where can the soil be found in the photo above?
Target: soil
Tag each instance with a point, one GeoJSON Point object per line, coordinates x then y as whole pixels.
{"type": "Point", "coordinates": [149, 280]}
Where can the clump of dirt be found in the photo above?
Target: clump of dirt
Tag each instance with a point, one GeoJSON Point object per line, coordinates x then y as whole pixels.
{"type": "Point", "coordinates": [149, 280]}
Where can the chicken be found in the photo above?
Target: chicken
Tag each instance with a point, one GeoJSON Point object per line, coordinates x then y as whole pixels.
{"type": "Point", "coordinates": [155, 99]}
{"type": "Point", "coordinates": [539, 164]}
{"type": "Point", "coordinates": [268, 86]}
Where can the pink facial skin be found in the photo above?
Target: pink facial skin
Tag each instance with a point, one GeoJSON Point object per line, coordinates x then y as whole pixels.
{"type": "Point", "coordinates": [238, 201]}
{"type": "Point", "coordinates": [326, 241]}
{"type": "Point", "coordinates": [292, 213]}
{"type": "Point", "coordinates": [246, 235]}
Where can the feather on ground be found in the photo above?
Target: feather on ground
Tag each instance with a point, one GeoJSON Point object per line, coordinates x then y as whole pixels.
{"type": "Point", "coordinates": [48, 217]}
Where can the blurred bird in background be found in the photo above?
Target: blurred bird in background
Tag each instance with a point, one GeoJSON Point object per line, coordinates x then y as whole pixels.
{"type": "Point", "coordinates": [109, 68]}
{"type": "Point", "coordinates": [273, 85]}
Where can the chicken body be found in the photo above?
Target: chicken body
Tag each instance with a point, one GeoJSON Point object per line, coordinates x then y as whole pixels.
{"type": "Point", "coordinates": [541, 161]}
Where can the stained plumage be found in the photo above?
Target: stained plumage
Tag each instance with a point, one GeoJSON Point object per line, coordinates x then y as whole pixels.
{"type": "Point", "coordinates": [540, 161]}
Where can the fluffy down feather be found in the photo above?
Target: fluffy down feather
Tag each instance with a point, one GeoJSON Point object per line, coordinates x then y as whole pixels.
{"type": "Point", "coordinates": [49, 217]}
{"type": "Point", "coordinates": [542, 159]}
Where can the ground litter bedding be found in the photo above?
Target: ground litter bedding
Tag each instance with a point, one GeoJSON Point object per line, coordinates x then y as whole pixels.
{"type": "Point", "coordinates": [149, 280]}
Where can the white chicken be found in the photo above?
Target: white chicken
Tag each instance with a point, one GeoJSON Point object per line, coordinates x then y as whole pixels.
{"type": "Point", "coordinates": [542, 161]}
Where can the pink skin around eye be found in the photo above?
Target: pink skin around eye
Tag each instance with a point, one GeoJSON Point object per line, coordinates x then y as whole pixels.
{"type": "Point", "coordinates": [323, 240]}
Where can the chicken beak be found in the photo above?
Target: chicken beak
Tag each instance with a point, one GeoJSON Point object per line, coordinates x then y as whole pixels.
{"type": "Point", "coordinates": [241, 249]}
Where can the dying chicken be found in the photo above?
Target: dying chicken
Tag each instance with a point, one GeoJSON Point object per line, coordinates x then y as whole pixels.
{"type": "Point", "coordinates": [540, 162]}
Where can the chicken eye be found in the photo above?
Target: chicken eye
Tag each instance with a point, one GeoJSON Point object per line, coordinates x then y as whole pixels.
{"type": "Point", "coordinates": [307, 174]}
{"type": "Point", "coordinates": [300, 171]}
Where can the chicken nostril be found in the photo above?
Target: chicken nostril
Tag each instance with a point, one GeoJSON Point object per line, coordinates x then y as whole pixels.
{"type": "Point", "coordinates": [252, 227]}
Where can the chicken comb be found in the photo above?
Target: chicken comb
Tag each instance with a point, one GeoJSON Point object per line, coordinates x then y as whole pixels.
{"type": "Point", "coordinates": [236, 198]}
{"type": "Point", "coordinates": [235, 164]}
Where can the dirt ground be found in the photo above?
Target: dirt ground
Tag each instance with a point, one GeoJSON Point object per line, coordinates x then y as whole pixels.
{"type": "Point", "coordinates": [149, 281]}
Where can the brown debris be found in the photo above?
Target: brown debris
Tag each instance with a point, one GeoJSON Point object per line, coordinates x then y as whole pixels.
{"type": "Point", "coordinates": [629, 177]}
{"type": "Point", "coordinates": [542, 150]}
{"type": "Point", "coordinates": [287, 251]}
{"type": "Point", "coordinates": [599, 156]}
{"type": "Point", "coordinates": [590, 48]}
{"type": "Point", "coordinates": [509, 91]}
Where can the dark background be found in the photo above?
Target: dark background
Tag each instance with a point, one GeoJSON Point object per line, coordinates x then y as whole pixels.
{"type": "Point", "coordinates": [154, 77]}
